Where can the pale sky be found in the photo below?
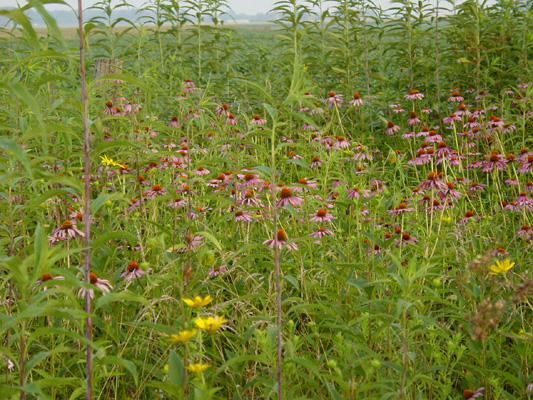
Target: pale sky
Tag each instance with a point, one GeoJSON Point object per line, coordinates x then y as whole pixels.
{"type": "Point", "coordinates": [251, 7]}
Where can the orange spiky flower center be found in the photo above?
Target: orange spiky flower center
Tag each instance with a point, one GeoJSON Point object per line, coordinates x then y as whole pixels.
{"type": "Point", "coordinates": [285, 193]}
{"type": "Point", "coordinates": [281, 236]}
{"type": "Point", "coordinates": [133, 266]}
{"type": "Point", "coordinates": [67, 224]}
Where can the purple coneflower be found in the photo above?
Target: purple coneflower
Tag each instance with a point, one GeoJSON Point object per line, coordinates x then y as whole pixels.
{"type": "Point", "coordinates": [432, 182]}
{"type": "Point", "coordinates": [316, 110]}
{"type": "Point", "coordinates": [217, 270]}
{"type": "Point", "coordinates": [280, 240]}
{"type": "Point", "coordinates": [449, 192]}
{"type": "Point", "coordinates": [476, 187]}
{"type": "Point", "coordinates": [251, 180]}
{"type": "Point", "coordinates": [426, 110]}
{"type": "Point", "coordinates": [109, 108]}
{"type": "Point", "coordinates": [250, 200]}
{"type": "Point", "coordinates": [322, 216]}
{"type": "Point", "coordinates": [341, 143]}
{"type": "Point", "coordinates": [400, 209]}
{"type": "Point", "coordinates": [500, 252]}
{"type": "Point", "coordinates": [286, 197]}
{"type": "Point", "coordinates": [414, 95]}
{"type": "Point", "coordinates": [101, 284]}
{"type": "Point", "coordinates": [231, 120]}
{"type": "Point", "coordinates": [405, 240]}
{"type": "Point", "coordinates": [495, 122]}
{"type": "Point", "coordinates": [177, 203]}
{"type": "Point", "coordinates": [423, 132]}
{"type": "Point", "coordinates": [468, 394]}
{"type": "Point", "coordinates": [495, 161]}
{"type": "Point", "coordinates": [48, 277]}
{"type": "Point", "coordinates": [450, 119]}
{"type": "Point", "coordinates": [526, 166]}
{"type": "Point", "coordinates": [223, 110]}
{"type": "Point", "coordinates": [442, 150]}
{"type": "Point", "coordinates": [481, 94]}
{"type": "Point", "coordinates": [174, 122]}
{"type": "Point", "coordinates": [357, 101]}
{"type": "Point", "coordinates": [157, 190]}
{"type": "Point", "coordinates": [333, 99]}
{"type": "Point", "coordinates": [68, 230]}
{"type": "Point", "coordinates": [525, 232]}
{"type": "Point", "coordinates": [257, 120]}
{"type": "Point", "coordinates": [317, 162]}
{"type": "Point", "coordinates": [188, 86]}
{"type": "Point", "coordinates": [191, 243]}
{"type": "Point", "coordinates": [391, 128]}
{"type": "Point", "coordinates": [320, 233]}
{"type": "Point", "coordinates": [133, 270]}
{"type": "Point", "coordinates": [461, 110]}
{"type": "Point", "coordinates": [356, 192]}
{"type": "Point", "coordinates": [201, 171]}
{"type": "Point", "coordinates": [304, 182]}
{"type": "Point", "coordinates": [455, 96]}
{"type": "Point", "coordinates": [242, 216]}
{"type": "Point", "coordinates": [523, 200]}
{"type": "Point", "coordinates": [506, 128]}
{"type": "Point", "coordinates": [413, 119]}
{"type": "Point", "coordinates": [337, 183]}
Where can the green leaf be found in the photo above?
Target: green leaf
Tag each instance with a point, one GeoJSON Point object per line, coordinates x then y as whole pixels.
{"type": "Point", "coordinates": [106, 237]}
{"type": "Point", "coordinates": [9, 145]}
{"type": "Point", "coordinates": [126, 364]}
{"type": "Point", "coordinates": [292, 280]}
{"type": "Point", "coordinates": [119, 297]}
{"type": "Point", "coordinates": [22, 93]}
{"type": "Point", "coordinates": [126, 78]}
{"type": "Point", "coordinates": [175, 369]}
{"type": "Point", "coordinates": [209, 236]}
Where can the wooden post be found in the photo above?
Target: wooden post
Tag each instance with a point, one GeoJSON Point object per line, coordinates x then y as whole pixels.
{"type": "Point", "coordinates": [105, 66]}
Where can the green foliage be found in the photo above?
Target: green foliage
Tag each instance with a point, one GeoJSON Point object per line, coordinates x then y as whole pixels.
{"type": "Point", "coordinates": [367, 311]}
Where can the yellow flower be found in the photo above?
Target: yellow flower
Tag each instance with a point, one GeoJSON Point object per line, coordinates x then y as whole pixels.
{"type": "Point", "coordinates": [109, 161]}
{"type": "Point", "coordinates": [501, 267]}
{"type": "Point", "coordinates": [182, 336]}
{"type": "Point", "coordinates": [210, 324]}
{"type": "Point", "coordinates": [198, 301]}
{"type": "Point", "coordinates": [197, 368]}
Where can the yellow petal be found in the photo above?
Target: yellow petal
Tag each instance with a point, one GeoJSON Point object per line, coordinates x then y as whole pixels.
{"type": "Point", "coordinates": [189, 302]}
{"type": "Point", "coordinates": [496, 270]}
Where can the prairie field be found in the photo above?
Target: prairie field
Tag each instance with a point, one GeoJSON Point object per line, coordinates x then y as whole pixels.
{"type": "Point", "coordinates": [336, 204]}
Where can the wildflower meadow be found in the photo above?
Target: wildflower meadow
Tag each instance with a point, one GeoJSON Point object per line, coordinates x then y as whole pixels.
{"type": "Point", "coordinates": [336, 204]}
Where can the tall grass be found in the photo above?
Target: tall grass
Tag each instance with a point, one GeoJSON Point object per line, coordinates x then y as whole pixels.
{"type": "Point", "coordinates": [261, 170]}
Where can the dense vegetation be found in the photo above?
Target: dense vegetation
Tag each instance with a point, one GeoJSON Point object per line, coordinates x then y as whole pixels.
{"type": "Point", "coordinates": [340, 201]}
